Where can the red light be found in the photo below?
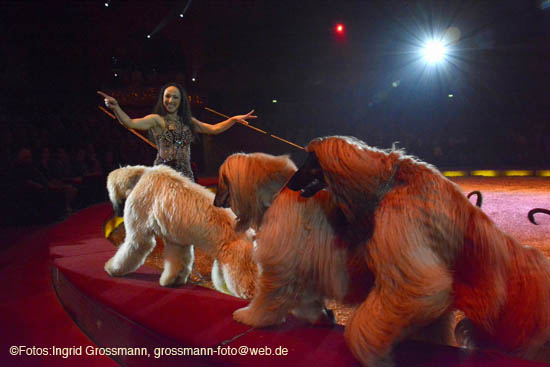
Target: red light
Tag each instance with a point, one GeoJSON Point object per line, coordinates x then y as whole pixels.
{"type": "Point", "coordinates": [340, 28]}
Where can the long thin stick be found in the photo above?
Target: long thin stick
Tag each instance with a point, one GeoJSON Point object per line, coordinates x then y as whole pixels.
{"type": "Point", "coordinates": [210, 110]}
{"type": "Point", "coordinates": [127, 128]}
{"type": "Point", "coordinates": [286, 141]}
{"type": "Point", "coordinates": [222, 115]}
{"type": "Point", "coordinates": [255, 128]}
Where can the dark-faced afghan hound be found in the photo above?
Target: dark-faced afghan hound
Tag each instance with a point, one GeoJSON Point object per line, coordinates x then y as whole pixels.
{"type": "Point", "coordinates": [302, 258]}
{"type": "Point", "coordinates": [431, 250]}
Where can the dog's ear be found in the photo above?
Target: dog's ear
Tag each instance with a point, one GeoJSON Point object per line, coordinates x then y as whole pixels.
{"type": "Point", "coordinates": [133, 176]}
{"type": "Point", "coordinates": [222, 193]}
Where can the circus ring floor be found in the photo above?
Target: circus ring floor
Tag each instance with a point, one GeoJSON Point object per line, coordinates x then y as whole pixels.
{"type": "Point", "coordinates": [57, 299]}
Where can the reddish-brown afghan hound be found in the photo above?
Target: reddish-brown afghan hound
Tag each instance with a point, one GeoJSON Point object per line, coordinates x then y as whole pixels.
{"type": "Point", "coordinates": [431, 250]}
{"type": "Point", "coordinates": [302, 258]}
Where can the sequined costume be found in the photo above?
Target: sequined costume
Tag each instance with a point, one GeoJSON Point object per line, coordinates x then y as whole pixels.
{"type": "Point", "coordinates": [174, 146]}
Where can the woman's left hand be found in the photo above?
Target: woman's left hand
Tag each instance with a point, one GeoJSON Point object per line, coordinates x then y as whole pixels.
{"type": "Point", "coordinates": [241, 119]}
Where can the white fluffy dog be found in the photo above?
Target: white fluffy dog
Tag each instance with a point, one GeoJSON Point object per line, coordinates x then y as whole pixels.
{"type": "Point", "coordinates": [158, 201]}
{"type": "Point", "coordinates": [431, 250]}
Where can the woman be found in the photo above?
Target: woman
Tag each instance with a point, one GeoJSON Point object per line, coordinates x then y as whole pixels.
{"type": "Point", "coordinates": [173, 126]}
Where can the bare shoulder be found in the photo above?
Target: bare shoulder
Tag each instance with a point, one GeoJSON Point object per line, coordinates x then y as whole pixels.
{"type": "Point", "coordinates": [157, 121]}
{"type": "Point", "coordinates": [200, 126]}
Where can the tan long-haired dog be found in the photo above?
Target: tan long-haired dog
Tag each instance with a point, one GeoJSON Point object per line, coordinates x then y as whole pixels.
{"type": "Point", "coordinates": [299, 262]}
{"type": "Point", "coordinates": [158, 201]}
{"type": "Point", "coordinates": [431, 250]}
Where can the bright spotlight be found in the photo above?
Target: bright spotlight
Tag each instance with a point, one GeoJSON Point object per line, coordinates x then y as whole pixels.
{"type": "Point", "coordinates": [434, 51]}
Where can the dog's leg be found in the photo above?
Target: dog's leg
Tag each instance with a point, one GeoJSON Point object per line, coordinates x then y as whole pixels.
{"type": "Point", "coordinates": [178, 263]}
{"type": "Point", "coordinates": [274, 298]}
{"type": "Point", "coordinates": [389, 312]}
{"type": "Point", "coordinates": [441, 331]}
{"type": "Point", "coordinates": [312, 309]}
{"type": "Point", "coordinates": [468, 335]}
{"type": "Point", "coordinates": [131, 254]}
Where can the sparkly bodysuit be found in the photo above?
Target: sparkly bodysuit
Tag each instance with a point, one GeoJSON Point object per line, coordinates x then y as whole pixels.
{"type": "Point", "coordinates": [174, 146]}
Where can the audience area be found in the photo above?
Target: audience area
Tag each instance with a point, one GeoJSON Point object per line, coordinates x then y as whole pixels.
{"type": "Point", "coordinates": [54, 165]}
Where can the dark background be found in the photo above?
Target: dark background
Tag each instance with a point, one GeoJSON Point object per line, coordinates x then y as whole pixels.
{"type": "Point", "coordinates": [370, 82]}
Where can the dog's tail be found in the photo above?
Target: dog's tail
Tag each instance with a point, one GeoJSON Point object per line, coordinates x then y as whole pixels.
{"type": "Point", "coordinates": [479, 197]}
{"type": "Point", "coordinates": [532, 212]}
{"type": "Point", "coordinates": [235, 271]}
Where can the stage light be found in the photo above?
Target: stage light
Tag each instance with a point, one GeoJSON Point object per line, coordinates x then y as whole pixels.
{"type": "Point", "coordinates": [484, 173]}
{"type": "Point", "coordinates": [148, 36]}
{"type": "Point", "coordinates": [106, 5]}
{"type": "Point", "coordinates": [455, 173]}
{"type": "Point", "coordinates": [543, 173]}
{"type": "Point", "coordinates": [181, 15]}
{"type": "Point", "coordinates": [274, 101]}
{"type": "Point", "coordinates": [193, 79]}
{"type": "Point", "coordinates": [520, 173]}
{"type": "Point", "coordinates": [434, 51]}
{"type": "Point", "coordinates": [339, 28]}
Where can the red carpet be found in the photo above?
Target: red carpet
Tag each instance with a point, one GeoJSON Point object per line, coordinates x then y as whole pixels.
{"type": "Point", "coordinates": [135, 312]}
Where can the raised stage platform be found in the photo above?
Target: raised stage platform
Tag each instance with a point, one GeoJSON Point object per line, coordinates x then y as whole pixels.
{"type": "Point", "coordinates": [58, 300]}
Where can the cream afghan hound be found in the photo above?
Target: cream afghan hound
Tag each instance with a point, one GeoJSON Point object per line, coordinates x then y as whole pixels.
{"type": "Point", "coordinates": [302, 258]}
{"type": "Point", "coordinates": [158, 201]}
{"type": "Point", "coordinates": [431, 250]}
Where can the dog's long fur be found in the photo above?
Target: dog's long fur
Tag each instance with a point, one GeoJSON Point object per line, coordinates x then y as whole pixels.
{"type": "Point", "coordinates": [299, 263]}
{"type": "Point", "coordinates": [302, 258]}
{"type": "Point", "coordinates": [431, 250]}
{"type": "Point", "coordinates": [158, 201]}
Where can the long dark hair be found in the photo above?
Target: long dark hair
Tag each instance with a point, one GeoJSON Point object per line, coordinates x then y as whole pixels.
{"type": "Point", "coordinates": [184, 109]}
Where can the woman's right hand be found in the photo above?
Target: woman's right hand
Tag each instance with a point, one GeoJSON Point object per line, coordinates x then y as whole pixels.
{"type": "Point", "coordinates": [110, 102]}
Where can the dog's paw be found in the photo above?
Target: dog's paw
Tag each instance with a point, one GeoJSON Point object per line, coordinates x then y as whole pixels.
{"type": "Point", "coordinates": [465, 334]}
{"type": "Point", "coordinates": [244, 316]}
{"type": "Point", "coordinates": [111, 269]}
{"type": "Point", "coordinates": [166, 281]}
{"type": "Point", "coordinates": [326, 319]}
{"type": "Point", "coordinates": [173, 280]}
{"type": "Point", "coordinates": [249, 316]}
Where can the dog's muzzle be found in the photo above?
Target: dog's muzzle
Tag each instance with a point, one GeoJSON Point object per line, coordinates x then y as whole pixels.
{"type": "Point", "coordinates": [118, 208]}
{"type": "Point", "coordinates": [221, 200]}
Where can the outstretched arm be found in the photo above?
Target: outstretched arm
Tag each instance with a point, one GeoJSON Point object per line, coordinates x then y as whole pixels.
{"type": "Point", "coordinates": [224, 125]}
{"type": "Point", "coordinates": [144, 123]}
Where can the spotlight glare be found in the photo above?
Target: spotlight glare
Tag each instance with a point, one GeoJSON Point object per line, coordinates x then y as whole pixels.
{"type": "Point", "coordinates": [434, 51]}
{"type": "Point", "coordinates": [106, 5]}
{"type": "Point", "coordinates": [148, 36]}
{"type": "Point", "coordinates": [181, 15]}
